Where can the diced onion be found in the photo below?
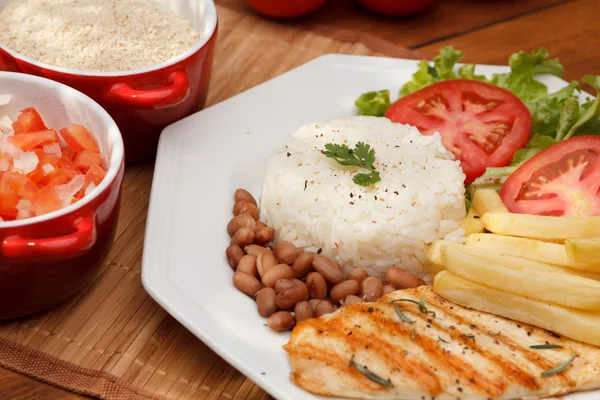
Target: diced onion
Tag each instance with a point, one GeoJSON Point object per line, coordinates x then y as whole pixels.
{"type": "Point", "coordinates": [26, 163]}
{"type": "Point", "coordinates": [47, 168]}
{"type": "Point", "coordinates": [6, 124]}
{"type": "Point", "coordinates": [68, 190]}
{"type": "Point", "coordinates": [89, 189]}
{"type": "Point", "coordinates": [5, 99]}
{"type": "Point", "coordinates": [24, 205]}
{"type": "Point", "coordinates": [52, 148]}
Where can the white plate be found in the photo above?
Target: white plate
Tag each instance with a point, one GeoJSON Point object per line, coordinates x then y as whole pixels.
{"type": "Point", "coordinates": [202, 160]}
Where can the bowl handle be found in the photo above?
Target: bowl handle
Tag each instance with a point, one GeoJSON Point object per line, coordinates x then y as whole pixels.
{"type": "Point", "coordinates": [174, 93]}
{"type": "Point", "coordinates": [61, 247]}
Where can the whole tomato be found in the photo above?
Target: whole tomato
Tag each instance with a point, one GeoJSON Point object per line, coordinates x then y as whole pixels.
{"type": "Point", "coordinates": [285, 8]}
{"type": "Point", "coordinates": [396, 8]}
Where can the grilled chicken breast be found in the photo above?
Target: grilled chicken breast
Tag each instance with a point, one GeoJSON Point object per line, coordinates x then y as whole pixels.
{"type": "Point", "coordinates": [374, 351]}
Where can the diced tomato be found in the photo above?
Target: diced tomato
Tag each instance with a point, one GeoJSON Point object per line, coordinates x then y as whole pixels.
{"type": "Point", "coordinates": [86, 159]}
{"type": "Point", "coordinates": [30, 140]}
{"type": "Point", "coordinates": [79, 138]}
{"type": "Point", "coordinates": [28, 121]}
{"type": "Point", "coordinates": [46, 200]}
{"type": "Point", "coordinates": [95, 174]}
{"type": "Point", "coordinates": [68, 153]}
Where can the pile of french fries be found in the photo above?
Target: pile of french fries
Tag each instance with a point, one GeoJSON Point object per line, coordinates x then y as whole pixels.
{"type": "Point", "coordinates": [540, 270]}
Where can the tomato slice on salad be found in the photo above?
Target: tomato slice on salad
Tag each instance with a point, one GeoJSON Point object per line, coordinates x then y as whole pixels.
{"type": "Point", "coordinates": [562, 180]}
{"type": "Point", "coordinates": [482, 124]}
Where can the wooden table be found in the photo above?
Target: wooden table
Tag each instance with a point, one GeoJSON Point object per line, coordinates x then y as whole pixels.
{"type": "Point", "coordinates": [488, 31]}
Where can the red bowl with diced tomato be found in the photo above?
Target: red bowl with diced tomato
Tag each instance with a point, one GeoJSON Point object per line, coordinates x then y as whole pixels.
{"type": "Point", "coordinates": [61, 172]}
{"type": "Point", "coordinates": [142, 101]}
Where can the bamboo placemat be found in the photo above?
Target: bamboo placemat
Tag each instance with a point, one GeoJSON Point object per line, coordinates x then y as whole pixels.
{"type": "Point", "coordinates": [113, 325]}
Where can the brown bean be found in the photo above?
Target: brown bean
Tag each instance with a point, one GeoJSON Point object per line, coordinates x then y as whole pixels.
{"type": "Point", "coordinates": [343, 290]}
{"type": "Point", "coordinates": [303, 311]}
{"type": "Point", "coordinates": [317, 287]}
{"type": "Point", "coordinates": [324, 307]}
{"type": "Point", "coordinates": [238, 206]}
{"type": "Point", "coordinates": [402, 279]}
{"type": "Point", "coordinates": [303, 264]}
{"type": "Point", "coordinates": [234, 255]}
{"type": "Point", "coordinates": [256, 250]}
{"type": "Point", "coordinates": [243, 237]}
{"type": "Point", "coordinates": [279, 271]}
{"type": "Point", "coordinates": [331, 271]}
{"type": "Point", "coordinates": [265, 301]}
{"type": "Point", "coordinates": [264, 262]}
{"type": "Point", "coordinates": [263, 235]}
{"type": "Point", "coordinates": [286, 252]}
{"type": "Point", "coordinates": [246, 283]}
{"type": "Point", "coordinates": [358, 274]}
{"type": "Point", "coordinates": [248, 265]}
{"type": "Point", "coordinates": [282, 284]}
{"type": "Point", "coordinates": [371, 288]}
{"type": "Point", "coordinates": [352, 299]}
{"type": "Point", "coordinates": [388, 289]}
{"type": "Point", "coordinates": [251, 209]}
{"type": "Point", "coordinates": [242, 194]}
{"type": "Point", "coordinates": [239, 222]}
{"type": "Point", "coordinates": [291, 296]}
{"type": "Point", "coordinates": [281, 321]}
{"type": "Point", "coordinates": [313, 304]}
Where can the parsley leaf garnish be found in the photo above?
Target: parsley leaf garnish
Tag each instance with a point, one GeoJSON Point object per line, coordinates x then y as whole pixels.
{"type": "Point", "coordinates": [361, 156]}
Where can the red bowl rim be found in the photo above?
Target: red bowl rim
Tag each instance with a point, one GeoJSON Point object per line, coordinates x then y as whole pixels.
{"type": "Point", "coordinates": [114, 137]}
{"type": "Point", "coordinates": [210, 25]}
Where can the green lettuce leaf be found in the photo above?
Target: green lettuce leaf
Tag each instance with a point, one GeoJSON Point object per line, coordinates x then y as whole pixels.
{"type": "Point", "coordinates": [586, 121]}
{"type": "Point", "coordinates": [442, 69]}
{"type": "Point", "coordinates": [495, 177]}
{"type": "Point", "coordinates": [373, 103]}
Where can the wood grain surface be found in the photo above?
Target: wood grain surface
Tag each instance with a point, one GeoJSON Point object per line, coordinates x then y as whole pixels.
{"type": "Point", "coordinates": [114, 326]}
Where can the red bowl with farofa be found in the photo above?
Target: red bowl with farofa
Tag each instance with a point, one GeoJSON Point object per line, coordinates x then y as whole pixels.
{"type": "Point", "coordinates": [142, 100]}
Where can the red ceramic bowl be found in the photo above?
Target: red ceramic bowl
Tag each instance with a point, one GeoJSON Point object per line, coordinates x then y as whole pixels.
{"type": "Point", "coordinates": [146, 100]}
{"type": "Point", "coordinates": [45, 260]}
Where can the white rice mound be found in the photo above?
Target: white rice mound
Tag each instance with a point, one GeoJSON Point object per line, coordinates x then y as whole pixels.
{"type": "Point", "coordinates": [311, 200]}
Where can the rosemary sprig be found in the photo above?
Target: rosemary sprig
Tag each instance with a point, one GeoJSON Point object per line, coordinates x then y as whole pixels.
{"type": "Point", "coordinates": [363, 369]}
{"type": "Point", "coordinates": [442, 340]}
{"type": "Point", "coordinates": [559, 368]}
{"type": "Point", "coordinates": [422, 308]}
{"type": "Point", "coordinates": [545, 346]}
{"type": "Point", "coordinates": [403, 317]}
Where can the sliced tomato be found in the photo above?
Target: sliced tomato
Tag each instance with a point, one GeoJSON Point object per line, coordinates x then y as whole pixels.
{"type": "Point", "coordinates": [562, 180]}
{"type": "Point", "coordinates": [79, 138]}
{"type": "Point", "coordinates": [46, 200]}
{"type": "Point", "coordinates": [95, 174]}
{"type": "Point", "coordinates": [482, 124]}
{"type": "Point", "coordinates": [29, 121]}
{"type": "Point", "coordinates": [31, 140]}
{"type": "Point", "coordinates": [86, 159]}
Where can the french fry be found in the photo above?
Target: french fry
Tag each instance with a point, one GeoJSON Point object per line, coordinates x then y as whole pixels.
{"type": "Point", "coordinates": [487, 200]}
{"type": "Point", "coordinates": [542, 227]}
{"type": "Point", "coordinates": [472, 223]}
{"type": "Point", "coordinates": [576, 324]}
{"type": "Point", "coordinates": [583, 250]}
{"type": "Point", "coordinates": [537, 250]}
{"type": "Point", "coordinates": [522, 277]}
